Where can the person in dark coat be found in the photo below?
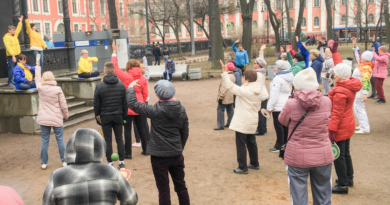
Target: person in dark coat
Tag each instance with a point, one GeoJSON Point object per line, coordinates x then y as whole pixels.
{"type": "Point", "coordinates": [157, 54]}
{"type": "Point", "coordinates": [317, 61]}
{"type": "Point", "coordinates": [169, 69]}
{"type": "Point", "coordinates": [168, 137]}
{"type": "Point", "coordinates": [110, 106]}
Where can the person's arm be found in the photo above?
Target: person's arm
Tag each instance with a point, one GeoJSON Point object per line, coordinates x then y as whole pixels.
{"type": "Point", "coordinates": [234, 47]}
{"type": "Point", "coordinates": [96, 103]}
{"type": "Point", "coordinates": [184, 130]}
{"type": "Point", "coordinates": [32, 68]}
{"type": "Point", "coordinates": [146, 74]}
{"type": "Point", "coordinates": [246, 58]}
{"type": "Point", "coordinates": [289, 58]}
{"type": "Point", "coordinates": [338, 111]}
{"type": "Point", "coordinates": [222, 90]}
{"type": "Point", "coordinates": [375, 44]}
{"type": "Point", "coordinates": [48, 196]}
{"type": "Point", "coordinates": [285, 115]}
{"type": "Point", "coordinates": [356, 53]}
{"type": "Point", "coordinates": [94, 59]}
{"type": "Point", "coordinates": [126, 194]}
{"type": "Point", "coordinates": [124, 103]}
{"type": "Point", "coordinates": [63, 105]}
{"type": "Point", "coordinates": [141, 108]}
{"type": "Point", "coordinates": [274, 95]}
{"type": "Point", "coordinates": [38, 78]}
{"type": "Point", "coordinates": [122, 75]}
{"type": "Point", "coordinates": [331, 66]}
{"type": "Point", "coordinates": [233, 88]}
{"type": "Point", "coordinates": [379, 58]}
{"type": "Point", "coordinates": [145, 91]}
{"type": "Point", "coordinates": [28, 27]}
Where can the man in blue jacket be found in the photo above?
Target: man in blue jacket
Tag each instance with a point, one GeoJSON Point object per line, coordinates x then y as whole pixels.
{"type": "Point", "coordinates": [242, 59]}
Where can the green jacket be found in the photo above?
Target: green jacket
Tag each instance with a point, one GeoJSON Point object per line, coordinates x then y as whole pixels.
{"type": "Point", "coordinates": [298, 66]}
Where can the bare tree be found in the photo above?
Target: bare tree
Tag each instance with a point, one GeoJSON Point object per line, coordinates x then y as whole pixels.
{"type": "Point", "coordinates": [329, 17]}
{"type": "Point", "coordinates": [216, 37]}
{"type": "Point", "coordinates": [275, 24]}
{"type": "Point", "coordinates": [246, 15]}
{"type": "Point", "coordinates": [174, 20]}
{"type": "Point", "coordinates": [288, 20]}
{"type": "Point", "coordinates": [298, 29]}
{"type": "Point", "coordinates": [387, 21]}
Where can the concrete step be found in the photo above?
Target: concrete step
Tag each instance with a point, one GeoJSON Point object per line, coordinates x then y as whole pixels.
{"type": "Point", "coordinates": [76, 121]}
{"type": "Point", "coordinates": [75, 104]}
{"type": "Point", "coordinates": [69, 98]}
{"type": "Point", "coordinates": [80, 111]}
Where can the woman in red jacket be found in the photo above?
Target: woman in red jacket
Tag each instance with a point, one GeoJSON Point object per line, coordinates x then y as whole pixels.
{"type": "Point", "coordinates": [141, 92]}
{"type": "Point", "coordinates": [342, 124]}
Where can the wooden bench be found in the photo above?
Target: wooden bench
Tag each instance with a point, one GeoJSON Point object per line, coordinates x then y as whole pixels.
{"type": "Point", "coordinates": [181, 71]}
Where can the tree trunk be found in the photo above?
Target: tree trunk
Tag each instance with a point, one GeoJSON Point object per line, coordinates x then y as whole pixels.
{"type": "Point", "coordinates": [387, 21]}
{"type": "Point", "coordinates": [275, 24]}
{"type": "Point", "coordinates": [246, 14]}
{"type": "Point", "coordinates": [298, 29]}
{"type": "Point", "coordinates": [288, 21]}
{"type": "Point", "coordinates": [329, 20]}
{"type": "Point", "coordinates": [178, 42]}
{"type": "Point", "coordinates": [215, 37]}
{"type": "Point", "coordinates": [112, 14]}
{"type": "Point", "coordinates": [203, 28]}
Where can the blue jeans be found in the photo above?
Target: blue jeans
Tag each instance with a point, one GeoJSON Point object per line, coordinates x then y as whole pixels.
{"type": "Point", "coordinates": [25, 86]}
{"type": "Point", "coordinates": [165, 75]}
{"type": "Point", "coordinates": [35, 57]}
{"type": "Point", "coordinates": [166, 59]}
{"type": "Point", "coordinates": [45, 134]}
{"type": "Point", "coordinates": [157, 60]}
{"type": "Point", "coordinates": [11, 66]}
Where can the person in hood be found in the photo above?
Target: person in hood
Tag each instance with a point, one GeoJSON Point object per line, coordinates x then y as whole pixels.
{"type": "Point", "coordinates": [317, 61]}
{"type": "Point", "coordinates": [308, 151]}
{"type": "Point", "coordinates": [342, 124]}
{"type": "Point", "coordinates": [327, 70]}
{"type": "Point", "coordinates": [36, 41]}
{"type": "Point", "coordinates": [86, 65]}
{"type": "Point", "coordinates": [333, 46]}
{"type": "Point", "coordinates": [157, 54]}
{"type": "Point", "coordinates": [242, 58]}
{"type": "Point", "coordinates": [23, 74]}
{"type": "Point", "coordinates": [110, 108]}
{"type": "Point", "coordinates": [304, 52]}
{"type": "Point", "coordinates": [169, 69]}
{"type": "Point", "coordinates": [86, 180]}
{"type": "Point", "coordinates": [380, 72]}
{"type": "Point", "coordinates": [133, 73]}
{"type": "Point", "coordinates": [296, 61]}
{"type": "Point", "coordinates": [280, 91]}
{"type": "Point", "coordinates": [168, 138]}
{"type": "Point", "coordinates": [259, 66]}
{"type": "Point", "coordinates": [48, 41]}
{"type": "Point", "coordinates": [237, 74]}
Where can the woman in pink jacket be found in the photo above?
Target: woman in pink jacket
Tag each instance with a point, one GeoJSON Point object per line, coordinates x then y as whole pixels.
{"type": "Point", "coordinates": [380, 71]}
{"type": "Point", "coordinates": [52, 110]}
{"type": "Point", "coordinates": [308, 151]}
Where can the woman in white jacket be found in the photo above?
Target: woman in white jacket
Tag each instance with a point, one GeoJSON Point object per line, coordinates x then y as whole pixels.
{"type": "Point", "coordinates": [280, 91]}
{"type": "Point", "coordinates": [259, 66]}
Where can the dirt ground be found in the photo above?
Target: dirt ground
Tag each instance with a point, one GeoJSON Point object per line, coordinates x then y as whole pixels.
{"type": "Point", "coordinates": [210, 157]}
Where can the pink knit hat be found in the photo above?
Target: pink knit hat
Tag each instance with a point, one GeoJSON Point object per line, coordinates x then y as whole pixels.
{"type": "Point", "coordinates": [331, 42]}
{"type": "Point", "coordinates": [230, 66]}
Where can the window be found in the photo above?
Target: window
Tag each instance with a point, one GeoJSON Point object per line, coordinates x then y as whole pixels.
{"type": "Point", "coordinates": [371, 1]}
{"type": "Point", "coordinates": [199, 29]}
{"type": "Point", "coordinates": [102, 8]}
{"type": "Point", "coordinates": [303, 22]}
{"type": "Point", "coordinates": [121, 9]}
{"type": "Point", "coordinates": [75, 28]}
{"type": "Point", "coordinates": [254, 24]}
{"type": "Point", "coordinates": [35, 5]}
{"type": "Point", "coordinates": [104, 27]}
{"type": "Point", "coordinates": [370, 18]}
{"type": "Point", "coordinates": [74, 6]}
{"type": "Point", "coordinates": [91, 27]}
{"type": "Point", "coordinates": [122, 27]}
{"type": "Point", "coordinates": [47, 28]}
{"type": "Point", "coordinates": [60, 6]}
{"type": "Point", "coordinates": [153, 30]}
{"type": "Point", "coordinates": [316, 3]}
{"type": "Point", "coordinates": [255, 6]}
{"type": "Point", "coordinates": [291, 4]}
{"type": "Point", "coordinates": [278, 4]}
{"type": "Point", "coordinates": [166, 30]}
{"type": "Point", "coordinates": [343, 2]}
{"type": "Point", "coordinates": [38, 25]}
{"type": "Point", "coordinates": [91, 7]}
{"type": "Point", "coordinates": [343, 19]}
{"type": "Point", "coordinates": [45, 7]}
{"type": "Point", "coordinates": [316, 21]}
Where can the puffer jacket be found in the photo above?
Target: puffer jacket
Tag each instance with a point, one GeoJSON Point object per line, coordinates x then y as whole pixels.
{"type": "Point", "coordinates": [241, 56]}
{"type": "Point", "coordinates": [381, 61]}
{"type": "Point", "coordinates": [248, 103]}
{"type": "Point", "coordinates": [169, 132]}
{"type": "Point", "coordinates": [238, 76]}
{"type": "Point", "coordinates": [261, 80]}
{"type": "Point", "coordinates": [223, 93]}
{"type": "Point", "coordinates": [85, 66]}
{"type": "Point", "coordinates": [11, 42]}
{"type": "Point", "coordinates": [52, 103]}
{"type": "Point", "coordinates": [327, 66]}
{"type": "Point", "coordinates": [132, 75]}
{"type": "Point", "coordinates": [20, 75]}
{"type": "Point", "coordinates": [36, 40]}
{"type": "Point", "coordinates": [363, 73]}
{"type": "Point", "coordinates": [110, 97]}
{"type": "Point", "coordinates": [170, 66]}
{"type": "Point", "coordinates": [317, 66]}
{"type": "Point", "coordinates": [280, 90]}
{"type": "Point", "coordinates": [296, 67]}
{"type": "Point", "coordinates": [86, 180]}
{"type": "Point", "coordinates": [309, 146]}
{"type": "Point", "coordinates": [342, 120]}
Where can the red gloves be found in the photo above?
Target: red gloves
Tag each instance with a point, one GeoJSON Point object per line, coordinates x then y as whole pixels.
{"type": "Point", "coordinates": [332, 136]}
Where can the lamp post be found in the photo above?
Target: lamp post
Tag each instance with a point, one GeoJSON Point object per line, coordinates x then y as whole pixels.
{"type": "Point", "coordinates": [262, 11]}
{"type": "Point", "coordinates": [147, 22]}
{"type": "Point", "coordinates": [192, 29]}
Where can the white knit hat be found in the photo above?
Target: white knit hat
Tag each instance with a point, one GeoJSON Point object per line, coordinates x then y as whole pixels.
{"type": "Point", "coordinates": [282, 65]}
{"type": "Point", "coordinates": [306, 80]}
{"type": "Point", "coordinates": [368, 55]}
{"type": "Point", "coordinates": [343, 70]}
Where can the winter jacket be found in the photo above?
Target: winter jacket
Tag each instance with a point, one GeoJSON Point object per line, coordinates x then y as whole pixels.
{"type": "Point", "coordinates": [36, 40]}
{"type": "Point", "coordinates": [323, 46]}
{"type": "Point", "coordinates": [248, 103]}
{"type": "Point", "coordinates": [363, 72]}
{"type": "Point", "coordinates": [224, 93]}
{"type": "Point", "coordinates": [309, 146]}
{"type": "Point", "coordinates": [317, 66]}
{"type": "Point", "coordinates": [170, 66]}
{"type": "Point", "coordinates": [280, 90]}
{"type": "Point", "coordinates": [327, 66]}
{"type": "Point", "coordinates": [238, 76]}
{"type": "Point", "coordinates": [381, 61]}
{"type": "Point", "coordinates": [241, 56]}
{"type": "Point", "coordinates": [165, 53]}
{"type": "Point", "coordinates": [335, 54]}
{"type": "Point", "coordinates": [20, 76]}
{"type": "Point", "coordinates": [52, 103]}
{"type": "Point", "coordinates": [11, 42]}
{"type": "Point", "coordinates": [342, 120]}
{"type": "Point", "coordinates": [110, 97]}
{"type": "Point", "coordinates": [156, 51]}
{"type": "Point", "coordinates": [9, 196]}
{"type": "Point", "coordinates": [169, 132]}
{"type": "Point", "coordinates": [85, 66]}
{"type": "Point", "coordinates": [305, 53]}
{"type": "Point", "coordinates": [261, 80]}
{"type": "Point", "coordinates": [127, 78]}
{"type": "Point", "coordinates": [49, 43]}
{"type": "Point", "coordinates": [146, 74]}
{"type": "Point", "coordinates": [86, 180]}
{"type": "Point", "coordinates": [296, 67]}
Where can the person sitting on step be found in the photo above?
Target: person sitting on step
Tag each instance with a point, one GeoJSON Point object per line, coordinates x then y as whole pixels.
{"type": "Point", "coordinates": [85, 66]}
{"type": "Point", "coordinates": [23, 78]}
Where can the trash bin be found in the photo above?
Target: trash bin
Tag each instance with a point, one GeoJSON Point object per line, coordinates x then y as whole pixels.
{"type": "Point", "coordinates": [271, 69]}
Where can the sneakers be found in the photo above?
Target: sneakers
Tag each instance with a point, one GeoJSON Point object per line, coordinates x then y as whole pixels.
{"type": "Point", "coordinates": [11, 85]}
{"type": "Point", "coordinates": [359, 132]}
{"type": "Point", "coordinates": [136, 144]}
{"type": "Point", "coordinates": [240, 171]}
{"type": "Point", "coordinates": [350, 182]}
{"type": "Point", "coordinates": [250, 166]}
{"type": "Point", "coordinates": [64, 164]}
{"type": "Point", "coordinates": [128, 157]}
{"type": "Point", "coordinates": [259, 133]}
{"type": "Point", "coordinates": [380, 101]}
{"type": "Point", "coordinates": [338, 190]}
{"type": "Point", "coordinates": [122, 166]}
{"type": "Point", "coordinates": [43, 166]}
{"type": "Point", "coordinates": [274, 150]}
{"type": "Point", "coordinates": [219, 128]}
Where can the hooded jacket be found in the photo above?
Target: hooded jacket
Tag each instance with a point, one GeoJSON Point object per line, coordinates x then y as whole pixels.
{"type": "Point", "coordinates": [328, 65]}
{"type": "Point", "coordinates": [86, 180]}
{"type": "Point", "coordinates": [381, 61]}
{"type": "Point", "coordinates": [280, 90]}
{"type": "Point", "coordinates": [248, 103]}
{"type": "Point", "coordinates": [295, 67]}
{"type": "Point", "coordinates": [132, 75]}
{"type": "Point", "coordinates": [241, 56]}
{"type": "Point", "coordinates": [110, 97]}
{"type": "Point", "coordinates": [11, 42]}
{"type": "Point", "coordinates": [169, 132]}
{"type": "Point", "coordinates": [309, 146]}
{"type": "Point", "coordinates": [85, 66]}
{"type": "Point", "coordinates": [238, 75]}
{"type": "Point", "coordinates": [36, 40]}
{"type": "Point", "coordinates": [170, 66]}
{"type": "Point", "coordinates": [223, 93]}
{"type": "Point", "coordinates": [52, 103]}
{"type": "Point", "coordinates": [20, 76]}
{"type": "Point", "coordinates": [157, 51]}
{"type": "Point", "coordinates": [317, 66]}
{"type": "Point", "coordinates": [363, 73]}
{"type": "Point", "coordinates": [342, 120]}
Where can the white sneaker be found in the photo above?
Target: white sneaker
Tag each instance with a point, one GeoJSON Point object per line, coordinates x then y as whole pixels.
{"type": "Point", "coordinates": [43, 166]}
{"type": "Point", "coordinates": [135, 144]}
{"type": "Point", "coordinates": [64, 164]}
{"type": "Point", "coordinates": [359, 132]}
{"type": "Point", "coordinates": [357, 128]}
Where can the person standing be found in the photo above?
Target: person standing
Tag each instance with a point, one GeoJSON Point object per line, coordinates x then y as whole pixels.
{"type": "Point", "coordinates": [308, 151]}
{"type": "Point", "coordinates": [36, 40]}
{"type": "Point", "coordinates": [242, 58]}
{"type": "Point", "coordinates": [317, 62]}
{"type": "Point", "coordinates": [166, 54]}
{"type": "Point", "coordinates": [342, 124]}
{"type": "Point", "coordinates": [259, 66]}
{"type": "Point", "coordinates": [304, 52]}
{"type": "Point", "coordinates": [86, 66]}
{"type": "Point", "coordinates": [48, 41]}
{"type": "Point", "coordinates": [380, 72]}
{"type": "Point", "coordinates": [168, 138]}
{"type": "Point", "coordinates": [51, 113]}
{"type": "Point", "coordinates": [12, 48]}
{"type": "Point", "coordinates": [110, 109]}
{"type": "Point", "coordinates": [157, 54]}
{"type": "Point", "coordinates": [327, 70]}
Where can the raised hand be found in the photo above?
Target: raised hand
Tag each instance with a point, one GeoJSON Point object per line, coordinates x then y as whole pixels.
{"type": "Point", "coordinates": [238, 40]}
{"type": "Point", "coordinates": [263, 47]}
{"type": "Point", "coordinates": [20, 18]}
{"type": "Point", "coordinates": [223, 66]}
{"type": "Point", "coordinates": [288, 49]}
{"type": "Point", "coordinates": [114, 48]}
{"type": "Point", "coordinates": [134, 84]}
{"type": "Point", "coordinates": [354, 41]}
{"type": "Point", "coordinates": [373, 38]}
{"type": "Point", "coordinates": [297, 38]}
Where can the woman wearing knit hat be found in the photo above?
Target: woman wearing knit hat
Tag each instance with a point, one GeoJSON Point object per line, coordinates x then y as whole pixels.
{"type": "Point", "coordinates": [308, 151]}
{"type": "Point", "coordinates": [380, 71]}
{"type": "Point", "coordinates": [225, 100]}
{"type": "Point", "coordinates": [363, 73]}
{"type": "Point", "coordinates": [333, 46]}
{"type": "Point", "coordinates": [259, 66]}
{"type": "Point", "coordinates": [342, 123]}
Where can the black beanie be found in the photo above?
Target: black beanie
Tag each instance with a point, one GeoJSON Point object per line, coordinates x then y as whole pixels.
{"type": "Point", "coordinates": [299, 57]}
{"type": "Point", "coordinates": [32, 25]}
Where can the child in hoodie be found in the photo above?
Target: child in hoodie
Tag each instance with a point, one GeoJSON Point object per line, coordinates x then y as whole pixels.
{"type": "Point", "coordinates": [297, 62]}
{"type": "Point", "coordinates": [327, 69]}
{"type": "Point", "coordinates": [380, 71]}
{"type": "Point", "coordinates": [169, 68]}
{"type": "Point", "coordinates": [333, 46]}
{"type": "Point", "coordinates": [317, 61]}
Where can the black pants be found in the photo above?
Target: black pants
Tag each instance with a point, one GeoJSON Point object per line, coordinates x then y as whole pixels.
{"type": "Point", "coordinates": [157, 60]}
{"type": "Point", "coordinates": [175, 167]}
{"type": "Point", "coordinates": [262, 126]}
{"type": "Point", "coordinates": [88, 75]}
{"type": "Point", "coordinates": [281, 131]}
{"type": "Point", "coordinates": [242, 68]}
{"type": "Point", "coordinates": [139, 123]}
{"type": "Point", "coordinates": [343, 164]}
{"type": "Point", "coordinates": [244, 141]}
{"type": "Point", "coordinates": [373, 88]}
{"type": "Point", "coordinates": [109, 123]}
{"type": "Point", "coordinates": [146, 129]}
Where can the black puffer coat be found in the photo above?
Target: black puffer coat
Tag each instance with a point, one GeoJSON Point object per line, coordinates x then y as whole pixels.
{"type": "Point", "coordinates": [169, 121]}
{"type": "Point", "coordinates": [110, 97]}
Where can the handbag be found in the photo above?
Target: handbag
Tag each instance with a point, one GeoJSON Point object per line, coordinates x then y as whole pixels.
{"type": "Point", "coordinates": [283, 148]}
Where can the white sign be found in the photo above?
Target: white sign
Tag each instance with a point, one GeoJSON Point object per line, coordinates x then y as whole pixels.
{"type": "Point", "coordinates": [82, 43]}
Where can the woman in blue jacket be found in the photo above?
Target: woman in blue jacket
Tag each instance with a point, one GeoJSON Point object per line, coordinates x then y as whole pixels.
{"type": "Point", "coordinates": [304, 52]}
{"type": "Point", "coordinates": [242, 59]}
{"type": "Point", "coordinates": [316, 64]}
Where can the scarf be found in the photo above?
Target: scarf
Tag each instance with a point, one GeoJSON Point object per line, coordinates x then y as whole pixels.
{"type": "Point", "coordinates": [172, 99]}
{"type": "Point", "coordinates": [27, 73]}
{"type": "Point", "coordinates": [261, 70]}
